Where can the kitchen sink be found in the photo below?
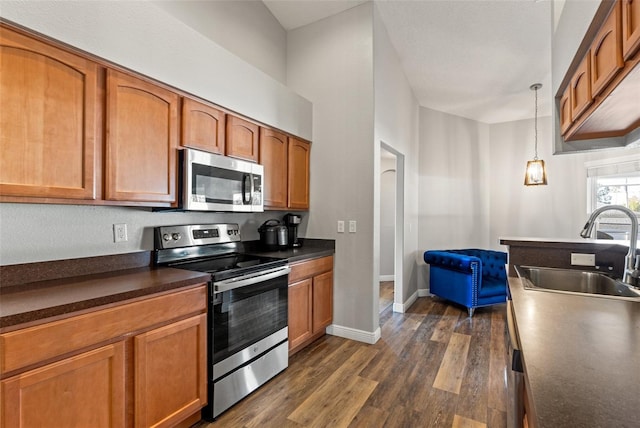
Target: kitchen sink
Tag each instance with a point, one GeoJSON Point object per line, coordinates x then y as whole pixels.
{"type": "Point", "coordinates": [575, 282]}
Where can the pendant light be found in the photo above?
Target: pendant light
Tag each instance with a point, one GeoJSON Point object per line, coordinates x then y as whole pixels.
{"type": "Point", "coordinates": [536, 173]}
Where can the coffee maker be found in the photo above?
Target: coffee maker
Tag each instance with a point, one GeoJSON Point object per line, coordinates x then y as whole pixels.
{"type": "Point", "coordinates": [292, 221]}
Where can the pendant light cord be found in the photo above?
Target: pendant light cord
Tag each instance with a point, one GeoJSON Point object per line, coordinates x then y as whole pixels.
{"type": "Point", "coordinates": [536, 126]}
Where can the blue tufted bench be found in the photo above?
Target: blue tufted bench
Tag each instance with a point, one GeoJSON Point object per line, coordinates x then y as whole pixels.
{"type": "Point", "coordinates": [472, 277]}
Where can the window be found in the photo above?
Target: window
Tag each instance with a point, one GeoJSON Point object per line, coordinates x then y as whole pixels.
{"type": "Point", "coordinates": [614, 182]}
{"type": "Point", "coordinates": [623, 190]}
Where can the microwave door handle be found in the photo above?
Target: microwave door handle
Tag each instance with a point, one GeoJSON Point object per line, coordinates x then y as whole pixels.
{"type": "Point", "coordinates": [253, 189]}
{"type": "Point", "coordinates": [246, 201]}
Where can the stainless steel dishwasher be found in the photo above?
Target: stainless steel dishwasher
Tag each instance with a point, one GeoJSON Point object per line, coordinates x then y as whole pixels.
{"type": "Point", "coordinates": [515, 375]}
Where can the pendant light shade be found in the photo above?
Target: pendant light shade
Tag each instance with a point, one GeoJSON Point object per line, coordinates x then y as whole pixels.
{"type": "Point", "coordinates": [536, 173]}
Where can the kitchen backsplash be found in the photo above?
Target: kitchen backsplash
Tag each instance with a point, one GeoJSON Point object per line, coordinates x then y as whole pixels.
{"type": "Point", "coordinates": [35, 232]}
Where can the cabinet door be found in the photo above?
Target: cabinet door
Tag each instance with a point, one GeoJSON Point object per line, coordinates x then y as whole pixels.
{"type": "Point", "coordinates": [171, 372]}
{"type": "Point", "coordinates": [141, 143]}
{"type": "Point", "coordinates": [580, 88]}
{"type": "Point", "coordinates": [606, 52]}
{"type": "Point", "coordinates": [86, 390]}
{"type": "Point", "coordinates": [300, 312]}
{"type": "Point", "coordinates": [299, 154]}
{"type": "Point", "coordinates": [630, 27]}
{"type": "Point", "coordinates": [273, 156]}
{"type": "Point", "coordinates": [322, 301]}
{"type": "Point", "coordinates": [48, 120]}
{"type": "Point", "coordinates": [242, 139]}
{"type": "Point", "coordinates": [203, 126]}
{"type": "Point", "coordinates": [565, 112]}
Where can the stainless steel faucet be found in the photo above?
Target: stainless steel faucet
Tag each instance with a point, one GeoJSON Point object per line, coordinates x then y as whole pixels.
{"type": "Point", "coordinates": [631, 263]}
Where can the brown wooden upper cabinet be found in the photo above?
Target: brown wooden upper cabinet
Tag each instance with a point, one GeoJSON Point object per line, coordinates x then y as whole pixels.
{"type": "Point", "coordinates": [565, 112]}
{"type": "Point", "coordinates": [48, 121]}
{"type": "Point", "coordinates": [203, 126]}
{"type": "Point", "coordinates": [242, 139]}
{"type": "Point", "coordinates": [141, 141]}
{"type": "Point", "coordinates": [630, 27]}
{"type": "Point", "coordinates": [273, 157]}
{"type": "Point", "coordinates": [603, 87]}
{"type": "Point", "coordinates": [606, 53]}
{"type": "Point", "coordinates": [580, 92]}
{"type": "Point", "coordinates": [298, 173]}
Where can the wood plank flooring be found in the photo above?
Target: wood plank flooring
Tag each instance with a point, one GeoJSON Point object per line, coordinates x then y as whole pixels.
{"type": "Point", "coordinates": [386, 295]}
{"type": "Point", "coordinates": [433, 367]}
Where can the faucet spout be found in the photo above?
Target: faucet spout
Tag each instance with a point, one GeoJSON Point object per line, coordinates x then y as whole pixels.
{"type": "Point", "coordinates": [630, 268]}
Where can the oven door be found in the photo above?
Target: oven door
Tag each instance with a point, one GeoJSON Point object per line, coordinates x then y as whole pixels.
{"type": "Point", "coordinates": [218, 183]}
{"type": "Point", "coordinates": [247, 311]}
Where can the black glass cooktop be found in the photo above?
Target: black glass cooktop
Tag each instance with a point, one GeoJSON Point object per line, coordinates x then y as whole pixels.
{"type": "Point", "coordinates": [228, 266]}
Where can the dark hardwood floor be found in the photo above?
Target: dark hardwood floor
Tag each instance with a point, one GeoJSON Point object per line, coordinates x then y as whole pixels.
{"type": "Point", "coordinates": [433, 367]}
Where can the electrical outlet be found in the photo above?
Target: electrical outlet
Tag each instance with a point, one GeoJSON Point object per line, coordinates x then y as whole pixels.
{"type": "Point", "coordinates": [352, 226]}
{"type": "Point", "coordinates": [340, 226]}
{"type": "Point", "coordinates": [580, 259]}
{"type": "Point", "coordinates": [120, 233]}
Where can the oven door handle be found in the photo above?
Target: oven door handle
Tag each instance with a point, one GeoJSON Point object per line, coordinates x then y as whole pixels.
{"type": "Point", "coordinates": [243, 281]}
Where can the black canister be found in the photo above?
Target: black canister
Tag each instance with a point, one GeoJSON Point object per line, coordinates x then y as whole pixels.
{"type": "Point", "coordinates": [273, 235]}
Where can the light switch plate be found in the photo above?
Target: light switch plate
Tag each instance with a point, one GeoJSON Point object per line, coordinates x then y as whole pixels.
{"type": "Point", "coordinates": [340, 226]}
{"type": "Point", "coordinates": [352, 226]}
{"type": "Point", "coordinates": [581, 259]}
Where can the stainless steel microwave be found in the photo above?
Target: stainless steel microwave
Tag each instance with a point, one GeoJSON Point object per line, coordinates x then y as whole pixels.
{"type": "Point", "coordinates": [219, 183]}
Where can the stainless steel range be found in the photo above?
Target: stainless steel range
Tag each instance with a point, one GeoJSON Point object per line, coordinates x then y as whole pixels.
{"type": "Point", "coordinates": [248, 333]}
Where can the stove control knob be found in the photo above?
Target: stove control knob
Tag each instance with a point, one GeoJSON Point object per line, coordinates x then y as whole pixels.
{"type": "Point", "coordinates": [166, 237]}
{"type": "Point", "coordinates": [176, 236]}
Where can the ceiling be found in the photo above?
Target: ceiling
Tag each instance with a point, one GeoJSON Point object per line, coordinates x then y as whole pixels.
{"type": "Point", "coordinates": [472, 58]}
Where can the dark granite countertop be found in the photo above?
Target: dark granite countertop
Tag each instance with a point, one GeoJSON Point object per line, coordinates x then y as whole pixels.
{"type": "Point", "coordinates": [31, 302]}
{"type": "Point", "coordinates": [581, 357]}
{"type": "Point", "coordinates": [32, 292]}
{"type": "Point", "coordinates": [552, 242]}
{"type": "Point", "coordinates": [310, 249]}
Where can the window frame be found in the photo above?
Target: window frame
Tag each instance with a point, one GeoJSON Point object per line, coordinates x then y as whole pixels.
{"type": "Point", "coordinates": [609, 168]}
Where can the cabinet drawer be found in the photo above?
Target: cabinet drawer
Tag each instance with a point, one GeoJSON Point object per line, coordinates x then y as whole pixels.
{"type": "Point", "coordinates": [310, 268]}
{"type": "Point", "coordinates": [22, 348]}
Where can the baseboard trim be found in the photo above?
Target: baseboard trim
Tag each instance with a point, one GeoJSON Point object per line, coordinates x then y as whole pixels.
{"type": "Point", "coordinates": [351, 333]}
{"type": "Point", "coordinates": [424, 292]}
{"type": "Point", "coordinates": [402, 307]}
{"type": "Point", "coordinates": [387, 278]}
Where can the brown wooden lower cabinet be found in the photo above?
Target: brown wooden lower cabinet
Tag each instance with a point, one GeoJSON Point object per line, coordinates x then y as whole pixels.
{"type": "Point", "coordinates": [139, 364]}
{"type": "Point", "coordinates": [310, 301]}
{"type": "Point", "coordinates": [171, 372]}
{"type": "Point", "coordinates": [86, 390]}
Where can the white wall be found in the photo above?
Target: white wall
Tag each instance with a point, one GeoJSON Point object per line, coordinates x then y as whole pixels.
{"type": "Point", "coordinates": [247, 29]}
{"type": "Point", "coordinates": [558, 210]}
{"type": "Point", "coordinates": [455, 191]}
{"type": "Point", "coordinates": [145, 38]}
{"type": "Point", "coordinates": [330, 63]}
{"type": "Point", "coordinates": [396, 125]}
